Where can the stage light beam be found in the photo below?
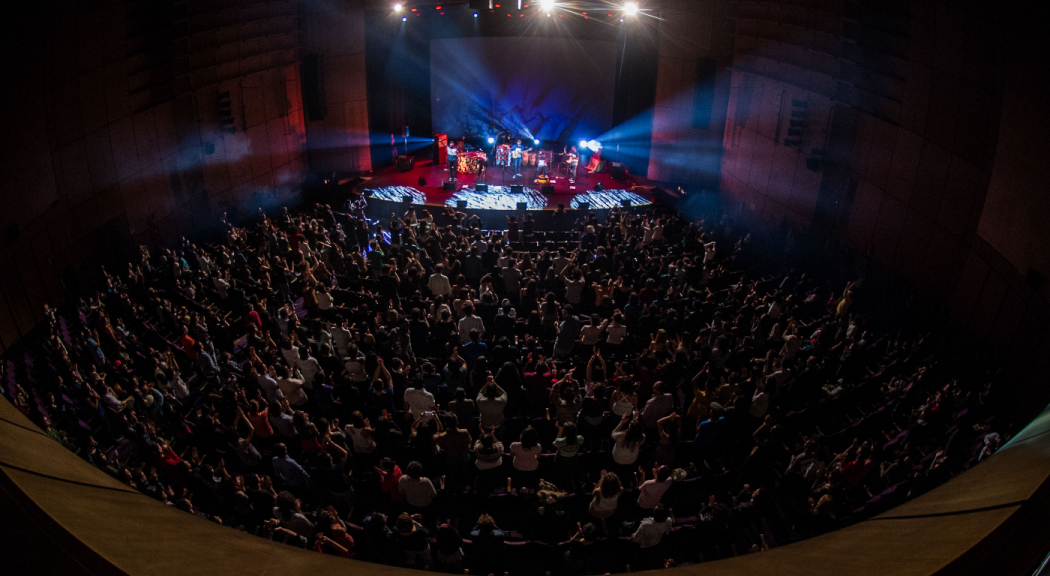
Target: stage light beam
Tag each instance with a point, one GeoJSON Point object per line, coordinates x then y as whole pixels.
{"type": "Point", "coordinates": [630, 8]}
{"type": "Point", "coordinates": [492, 140]}
{"type": "Point", "coordinates": [547, 5]}
{"type": "Point", "coordinates": [536, 142]}
{"type": "Point", "coordinates": [399, 7]}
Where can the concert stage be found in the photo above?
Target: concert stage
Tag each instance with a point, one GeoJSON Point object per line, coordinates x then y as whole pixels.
{"type": "Point", "coordinates": [389, 184]}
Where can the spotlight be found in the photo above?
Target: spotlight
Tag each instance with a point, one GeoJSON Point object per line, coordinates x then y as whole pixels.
{"type": "Point", "coordinates": [404, 18]}
{"type": "Point", "coordinates": [630, 8]}
{"type": "Point", "coordinates": [592, 145]}
{"type": "Point", "coordinates": [492, 140]}
{"type": "Point", "coordinates": [546, 5]}
{"type": "Point", "coordinates": [475, 14]}
{"type": "Point", "coordinates": [583, 144]}
{"type": "Point", "coordinates": [536, 142]}
{"type": "Point", "coordinates": [399, 7]}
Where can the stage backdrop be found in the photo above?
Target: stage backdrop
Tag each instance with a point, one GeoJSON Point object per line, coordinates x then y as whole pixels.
{"type": "Point", "coordinates": [545, 88]}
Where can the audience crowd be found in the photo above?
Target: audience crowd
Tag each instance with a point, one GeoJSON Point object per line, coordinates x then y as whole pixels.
{"type": "Point", "coordinates": [643, 392]}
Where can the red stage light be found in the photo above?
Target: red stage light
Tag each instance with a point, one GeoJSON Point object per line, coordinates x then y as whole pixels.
{"type": "Point", "coordinates": [522, 15]}
{"type": "Point", "coordinates": [438, 8]}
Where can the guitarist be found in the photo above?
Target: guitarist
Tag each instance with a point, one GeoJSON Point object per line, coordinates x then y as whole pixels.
{"type": "Point", "coordinates": [516, 152]}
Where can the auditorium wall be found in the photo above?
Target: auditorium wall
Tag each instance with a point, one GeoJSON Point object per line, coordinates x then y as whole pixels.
{"type": "Point", "coordinates": [114, 136]}
{"type": "Point", "coordinates": [690, 111]}
{"type": "Point", "coordinates": [902, 105]}
{"type": "Point", "coordinates": [335, 31]}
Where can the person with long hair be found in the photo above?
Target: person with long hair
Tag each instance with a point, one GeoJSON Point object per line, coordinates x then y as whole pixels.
{"type": "Point", "coordinates": [628, 438]}
{"type": "Point", "coordinates": [606, 498]}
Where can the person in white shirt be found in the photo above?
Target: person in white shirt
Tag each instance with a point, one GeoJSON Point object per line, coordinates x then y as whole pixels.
{"type": "Point", "coordinates": [221, 286]}
{"type": "Point", "coordinates": [651, 530]}
{"type": "Point", "coordinates": [418, 401]}
{"type": "Point", "coordinates": [268, 383]}
{"type": "Point", "coordinates": [290, 353]}
{"type": "Point", "coordinates": [627, 440]}
{"type": "Point", "coordinates": [308, 367]}
{"type": "Point", "coordinates": [355, 365]}
{"type": "Point", "coordinates": [324, 299]}
{"type": "Point", "coordinates": [591, 333]}
{"type": "Point", "coordinates": [651, 491]}
{"type": "Point", "coordinates": [616, 332]}
{"type": "Point", "coordinates": [526, 452]}
{"type": "Point", "coordinates": [419, 491]}
{"type": "Point", "coordinates": [292, 387]}
{"type": "Point", "coordinates": [560, 261]}
{"type": "Point", "coordinates": [760, 401]}
{"type": "Point", "coordinates": [469, 322]}
{"type": "Point", "coordinates": [341, 338]}
{"type": "Point", "coordinates": [438, 283]}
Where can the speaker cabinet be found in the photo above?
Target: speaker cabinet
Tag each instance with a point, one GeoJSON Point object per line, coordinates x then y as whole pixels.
{"type": "Point", "coordinates": [547, 189]}
{"type": "Point", "coordinates": [449, 186]}
{"type": "Point", "coordinates": [481, 187]}
{"type": "Point", "coordinates": [517, 189]}
{"type": "Point", "coordinates": [405, 163]}
{"type": "Point", "coordinates": [461, 204]}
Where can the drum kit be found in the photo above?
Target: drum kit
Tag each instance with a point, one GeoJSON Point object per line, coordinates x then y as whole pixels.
{"type": "Point", "coordinates": [472, 162]}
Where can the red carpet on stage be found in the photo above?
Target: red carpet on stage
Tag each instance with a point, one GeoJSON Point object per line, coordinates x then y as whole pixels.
{"type": "Point", "coordinates": [390, 182]}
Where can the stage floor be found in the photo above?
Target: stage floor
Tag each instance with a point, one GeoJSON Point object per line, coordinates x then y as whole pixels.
{"type": "Point", "coordinates": [389, 184]}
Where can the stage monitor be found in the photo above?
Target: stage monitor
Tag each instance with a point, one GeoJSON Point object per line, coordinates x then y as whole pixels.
{"type": "Point", "coordinates": [557, 89]}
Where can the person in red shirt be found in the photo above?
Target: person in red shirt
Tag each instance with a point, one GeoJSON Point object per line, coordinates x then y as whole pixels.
{"type": "Point", "coordinates": [854, 470]}
{"type": "Point", "coordinates": [253, 317]}
{"type": "Point", "coordinates": [335, 540]}
{"type": "Point", "coordinates": [390, 476]}
{"type": "Point", "coordinates": [188, 343]}
{"type": "Point", "coordinates": [259, 417]}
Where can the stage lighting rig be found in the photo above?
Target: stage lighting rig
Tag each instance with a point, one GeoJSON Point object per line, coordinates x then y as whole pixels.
{"type": "Point", "coordinates": [630, 9]}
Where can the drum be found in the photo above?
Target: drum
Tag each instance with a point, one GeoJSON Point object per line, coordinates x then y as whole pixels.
{"type": "Point", "coordinates": [529, 159]}
{"type": "Point", "coordinates": [471, 162]}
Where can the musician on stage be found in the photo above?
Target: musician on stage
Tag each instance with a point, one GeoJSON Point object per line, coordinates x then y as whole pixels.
{"type": "Point", "coordinates": [574, 163]}
{"type": "Point", "coordinates": [453, 164]}
{"type": "Point", "coordinates": [516, 152]}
